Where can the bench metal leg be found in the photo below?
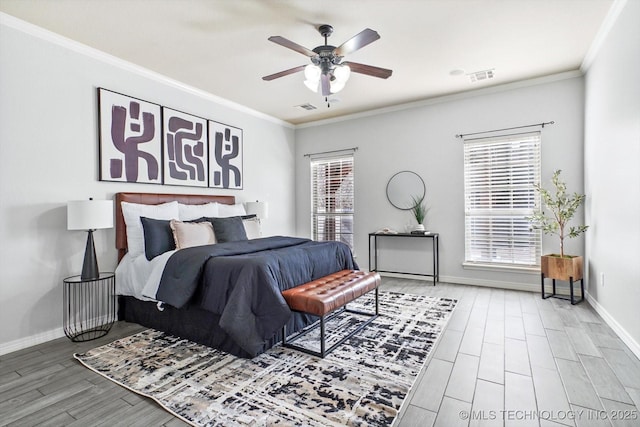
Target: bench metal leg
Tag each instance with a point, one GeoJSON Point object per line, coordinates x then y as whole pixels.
{"type": "Point", "coordinates": [322, 338]}
{"type": "Point", "coordinates": [284, 335]}
{"type": "Point", "coordinates": [377, 305]}
{"type": "Point", "coordinates": [322, 324]}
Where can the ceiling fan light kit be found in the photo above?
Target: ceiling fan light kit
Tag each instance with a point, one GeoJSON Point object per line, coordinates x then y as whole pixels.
{"type": "Point", "coordinates": [337, 77]}
{"type": "Point", "coordinates": [327, 73]}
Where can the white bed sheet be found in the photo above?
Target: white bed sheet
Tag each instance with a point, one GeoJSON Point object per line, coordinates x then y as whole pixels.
{"type": "Point", "coordinates": [138, 277]}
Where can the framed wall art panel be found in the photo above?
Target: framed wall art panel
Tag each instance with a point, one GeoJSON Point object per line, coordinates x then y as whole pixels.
{"type": "Point", "coordinates": [225, 156]}
{"type": "Point", "coordinates": [185, 149]}
{"type": "Point", "coordinates": [130, 139]}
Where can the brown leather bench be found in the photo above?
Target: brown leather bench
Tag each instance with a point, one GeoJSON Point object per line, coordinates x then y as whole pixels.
{"type": "Point", "coordinates": [328, 296]}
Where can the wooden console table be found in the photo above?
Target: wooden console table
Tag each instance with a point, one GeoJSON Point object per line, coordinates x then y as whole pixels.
{"type": "Point", "coordinates": [373, 249]}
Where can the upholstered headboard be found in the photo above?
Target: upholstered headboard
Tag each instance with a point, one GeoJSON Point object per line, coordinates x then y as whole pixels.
{"type": "Point", "coordinates": [156, 199]}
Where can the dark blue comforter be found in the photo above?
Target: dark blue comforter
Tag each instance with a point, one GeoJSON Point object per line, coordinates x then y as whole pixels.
{"type": "Point", "coordinates": [242, 281]}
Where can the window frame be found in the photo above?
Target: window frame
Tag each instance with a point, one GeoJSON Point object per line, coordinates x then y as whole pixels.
{"type": "Point", "coordinates": [499, 174]}
{"type": "Point", "coordinates": [335, 223]}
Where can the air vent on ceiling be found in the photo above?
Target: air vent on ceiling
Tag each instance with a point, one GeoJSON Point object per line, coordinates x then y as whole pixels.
{"type": "Point", "coordinates": [481, 75]}
{"type": "Point", "coordinates": [306, 106]}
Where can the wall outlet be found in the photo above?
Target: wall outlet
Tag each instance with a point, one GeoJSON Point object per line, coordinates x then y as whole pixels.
{"type": "Point", "coordinates": [601, 279]}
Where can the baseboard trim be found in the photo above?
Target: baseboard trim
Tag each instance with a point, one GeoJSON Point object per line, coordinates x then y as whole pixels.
{"type": "Point", "coordinates": [30, 341]}
{"type": "Point", "coordinates": [515, 286]}
{"type": "Point", "coordinates": [622, 333]}
{"type": "Point", "coordinates": [491, 283]}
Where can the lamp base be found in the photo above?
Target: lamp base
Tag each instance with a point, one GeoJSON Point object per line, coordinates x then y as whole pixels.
{"type": "Point", "coordinates": [90, 263]}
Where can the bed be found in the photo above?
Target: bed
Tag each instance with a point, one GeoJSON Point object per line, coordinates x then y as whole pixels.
{"type": "Point", "coordinates": [225, 295]}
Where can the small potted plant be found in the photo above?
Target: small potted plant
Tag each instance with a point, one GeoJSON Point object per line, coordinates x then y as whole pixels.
{"type": "Point", "coordinates": [562, 208]}
{"type": "Point", "coordinates": [419, 211]}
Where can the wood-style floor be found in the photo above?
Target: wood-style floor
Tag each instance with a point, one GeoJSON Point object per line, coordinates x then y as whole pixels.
{"type": "Point", "coordinates": [505, 358]}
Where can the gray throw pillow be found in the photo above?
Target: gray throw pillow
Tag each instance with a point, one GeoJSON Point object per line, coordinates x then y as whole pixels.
{"type": "Point", "coordinates": [158, 237]}
{"type": "Point", "coordinates": [229, 229]}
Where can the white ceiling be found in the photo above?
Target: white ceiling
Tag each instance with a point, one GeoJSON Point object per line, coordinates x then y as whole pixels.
{"type": "Point", "coordinates": [221, 46]}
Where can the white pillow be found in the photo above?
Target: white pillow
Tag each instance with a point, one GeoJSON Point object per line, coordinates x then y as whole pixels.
{"type": "Point", "coordinates": [252, 228]}
{"type": "Point", "coordinates": [225, 211]}
{"type": "Point", "coordinates": [132, 213]}
{"type": "Point", "coordinates": [188, 234]}
{"type": "Point", "coordinates": [189, 212]}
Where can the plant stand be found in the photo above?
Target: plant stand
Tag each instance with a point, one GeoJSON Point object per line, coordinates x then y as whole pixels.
{"type": "Point", "coordinates": [571, 298]}
{"type": "Point", "coordinates": [567, 269]}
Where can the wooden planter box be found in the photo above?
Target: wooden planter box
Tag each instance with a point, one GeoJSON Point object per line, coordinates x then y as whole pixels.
{"type": "Point", "coordinates": [568, 269]}
{"type": "Point", "coordinates": [554, 267]}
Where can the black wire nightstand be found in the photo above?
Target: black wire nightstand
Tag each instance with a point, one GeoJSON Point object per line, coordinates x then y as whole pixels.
{"type": "Point", "coordinates": [89, 306]}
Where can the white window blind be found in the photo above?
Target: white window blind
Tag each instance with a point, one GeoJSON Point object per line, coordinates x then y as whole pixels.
{"type": "Point", "coordinates": [499, 178]}
{"type": "Point", "coordinates": [332, 199]}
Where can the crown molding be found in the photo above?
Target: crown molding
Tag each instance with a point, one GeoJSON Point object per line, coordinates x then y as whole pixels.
{"type": "Point", "coordinates": [601, 35]}
{"type": "Point", "coordinates": [72, 45]}
{"type": "Point", "coordinates": [449, 98]}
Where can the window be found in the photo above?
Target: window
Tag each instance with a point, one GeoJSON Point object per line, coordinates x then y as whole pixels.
{"type": "Point", "coordinates": [499, 174]}
{"type": "Point", "coordinates": [332, 199]}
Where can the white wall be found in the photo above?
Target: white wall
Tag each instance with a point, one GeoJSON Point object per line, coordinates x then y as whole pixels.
{"type": "Point", "coordinates": [422, 139]}
{"type": "Point", "coordinates": [612, 176]}
{"type": "Point", "coordinates": [48, 155]}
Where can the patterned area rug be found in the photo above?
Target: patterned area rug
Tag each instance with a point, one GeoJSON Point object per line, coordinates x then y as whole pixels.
{"type": "Point", "coordinates": [362, 382]}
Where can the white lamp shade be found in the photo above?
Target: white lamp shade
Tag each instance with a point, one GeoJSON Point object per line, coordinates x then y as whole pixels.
{"type": "Point", "coordinates": [260, 209]}
{"type": "Point", "coordinates": [89, 214]}
{"type": "Point", "coordinates": [337, 86]}
{"type": "Point", "coordinates": [342, 73]}
{"type": "Point", "coordinates": [312, 77]}
{"type": "Point", "coordinates": [313, 86]}
{"type": "Point", "coordinates": [312, 72]}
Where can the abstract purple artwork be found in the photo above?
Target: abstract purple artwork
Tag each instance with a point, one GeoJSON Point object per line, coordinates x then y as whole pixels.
{"type": "Point", "coordinates": [185, 149]}
{"type": "Point", "coordinates": [130, 139]}
{"type": "Point", "coordinates": [143, 142]}
{"type": "Point", "coordinates": [225, 156]}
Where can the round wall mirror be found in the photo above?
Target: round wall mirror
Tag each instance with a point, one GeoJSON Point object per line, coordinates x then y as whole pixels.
{"type": "Point", "coordinates": [402, 187]}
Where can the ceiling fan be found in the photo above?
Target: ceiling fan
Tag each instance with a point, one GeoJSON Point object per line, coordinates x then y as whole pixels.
{"type": "Point", "coordinates": [327, 72]}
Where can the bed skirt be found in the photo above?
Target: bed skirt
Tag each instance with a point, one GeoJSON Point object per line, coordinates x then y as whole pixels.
{"type": "Point", "coordinates": [195, 324]}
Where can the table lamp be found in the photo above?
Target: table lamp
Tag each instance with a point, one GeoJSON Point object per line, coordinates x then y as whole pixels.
{"type": "Point", "coordinates": [259, 209]}
{"type": "Point", "coordinates": [89, 215]}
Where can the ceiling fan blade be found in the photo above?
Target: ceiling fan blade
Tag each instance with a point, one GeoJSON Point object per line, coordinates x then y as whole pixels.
{"type": "Point", "coordinates": [284, 73]}
{"type": "Point", "coordinates": [369, 70]}
{"type": "Point", "coordinates": [325, 84]}
{"type": "Point", "coordinates": [293, 46]}
{"type": "Point", "coordinates": [358, 41]}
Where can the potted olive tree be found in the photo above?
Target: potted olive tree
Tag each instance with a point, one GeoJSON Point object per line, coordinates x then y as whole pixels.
{"type": "Point", "coordinates": [561, 207]}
